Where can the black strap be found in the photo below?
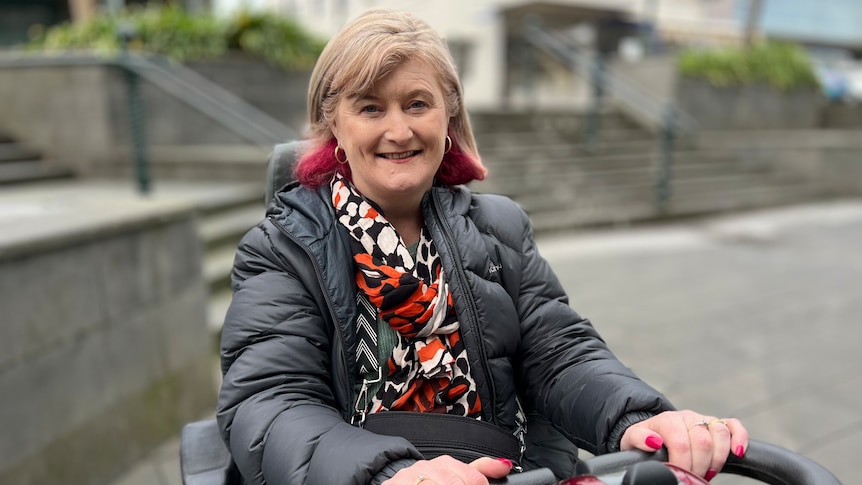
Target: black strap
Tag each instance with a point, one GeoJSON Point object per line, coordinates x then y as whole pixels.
{"type": "Point", "coordinates": [445, 434]}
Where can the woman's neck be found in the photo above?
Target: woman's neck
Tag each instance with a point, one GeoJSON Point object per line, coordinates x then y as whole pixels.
{"type": "Point", "coordinates": [405, 216]}
{"type": "Point", "coordinates": [408, 226]}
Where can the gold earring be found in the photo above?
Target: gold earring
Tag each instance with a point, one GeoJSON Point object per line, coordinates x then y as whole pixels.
{"type": "Point", "coordinates": [342, 162]}
{"type": "Point", "coordinates": [448, 145]}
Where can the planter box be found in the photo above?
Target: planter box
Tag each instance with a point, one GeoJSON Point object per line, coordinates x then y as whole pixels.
{"type": "Point", "coordinates": [749, 107]}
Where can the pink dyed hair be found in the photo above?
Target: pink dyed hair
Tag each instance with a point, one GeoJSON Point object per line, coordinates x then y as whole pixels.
{"type": "Point", "coordinates": [316, 166]}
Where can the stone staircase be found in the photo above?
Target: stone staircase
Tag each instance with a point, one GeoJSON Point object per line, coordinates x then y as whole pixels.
{"type": "Point", "coordinates": [223, 222]}
{"type": "Point", "coordinates": [20, 164]}
{"type": "Point", "coordinates": [226, 212]}
{"type": "Point", "coordinates": [542, 161]}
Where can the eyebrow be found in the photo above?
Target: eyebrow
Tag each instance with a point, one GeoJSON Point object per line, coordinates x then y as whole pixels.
{"type": "Point", "coordinates": [410, 94]}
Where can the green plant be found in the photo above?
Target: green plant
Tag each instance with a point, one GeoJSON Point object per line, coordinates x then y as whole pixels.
{"type": "Point", "coordinates": [778, 64]}
{"type": "Point", "coordinates": [177, 34]}
{"type": "Point", "coordinates": [281, 41]}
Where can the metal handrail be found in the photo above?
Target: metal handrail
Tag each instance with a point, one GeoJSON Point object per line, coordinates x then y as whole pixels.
{"type": "Point", "coordinates": [634, 99]}
{"type": "Point", "coordinates": [185, 85]}
{"type": "Point", "coordinates": [666, 118]}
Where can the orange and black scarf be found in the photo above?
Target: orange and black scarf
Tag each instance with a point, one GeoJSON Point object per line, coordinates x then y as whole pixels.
{"type": "Point", "coordinates": [428, 370]}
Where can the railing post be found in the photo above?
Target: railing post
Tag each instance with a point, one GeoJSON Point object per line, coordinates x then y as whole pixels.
{"type": "Point", "coordinates": [665, 170]}
{"type": "Point", "coordinates": [137, 119]}
{"type": "Point", "coordinates": [593, 126]}
{"type": "Point", "coordinates": [529, 63]}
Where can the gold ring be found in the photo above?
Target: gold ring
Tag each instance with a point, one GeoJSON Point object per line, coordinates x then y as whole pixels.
{"type": "Point", "coordinates": [420, 479]}
{"type": "Point", "coordinates": [716, 421]}
{"type": "Point", "coordinates": [702, 422]}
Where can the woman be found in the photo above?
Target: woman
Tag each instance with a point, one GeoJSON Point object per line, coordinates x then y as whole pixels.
{"type": "Point", "coordinates": [379, 286]}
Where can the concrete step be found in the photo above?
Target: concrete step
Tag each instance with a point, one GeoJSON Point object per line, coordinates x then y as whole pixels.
{"type": "Point", "coordinates": [218, 263]}
{"type": "Point", "coordinates": [520, 142]}
{"type": "Point", "coordinates": [561, 157]}
{"type": "Point", "coordinates": [568, 121]}
{"type": "Point", "coordinates": [614, 175]}
{"type": "Point", "coordinates": [644, 190]}
{"type": "Point", "coordinates": [217, 305]}
{"type": "Point", "coordinates": [594, 207]}
{"type": "Point", "coordinates": [623, 211]}
{"type": "Point", "coordinates": [227, 198]}
{"type": "Point", "coordinates": [230, 224]}
{"type": "Point", "coordinates": [11, 151]}
{"type": "Point", "coordinates": [233, 163]}
{"type": "Point", "coordinates": [30, 171]}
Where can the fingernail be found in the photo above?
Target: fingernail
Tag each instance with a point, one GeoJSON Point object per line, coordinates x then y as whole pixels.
{"type": "Point", "coordinates": [654, 441]}
{"type": "Point", "coordinates": [710, 475]}
{"type": "Point", "coordinates": [739, 451]}
{"type": "Point", "coordinates": [506, 461]}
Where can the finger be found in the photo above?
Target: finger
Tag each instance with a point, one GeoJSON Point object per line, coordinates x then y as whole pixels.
{"type": "Point", "coordinates": [441, 470]}
{"type": "Point", "coordinates": [640, 438]}
{"type": "Point", "coordinates": [720, 446]}
{"type": "Point", "coordinates": [738, 437]}
{"type": "Point", "coordinates": [492, 467]}
{"type": "Point", "coordinates": [675, 434]}
{"type": "Point", "coordinates": [701, 445]}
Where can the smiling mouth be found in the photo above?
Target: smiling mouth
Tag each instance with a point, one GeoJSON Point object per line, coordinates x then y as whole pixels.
{"type": "Point", "coordinates": [400, 156]}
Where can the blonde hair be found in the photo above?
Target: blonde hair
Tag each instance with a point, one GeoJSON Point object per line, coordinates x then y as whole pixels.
{"type": "Point", "coordinates": [365, 51]}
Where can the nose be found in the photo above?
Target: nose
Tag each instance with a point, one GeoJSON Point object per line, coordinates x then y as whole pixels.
{"type": "Point", "coordinates": [397, 127]}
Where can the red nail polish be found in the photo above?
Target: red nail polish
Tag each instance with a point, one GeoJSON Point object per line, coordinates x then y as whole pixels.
{"type": "Point", "coordinates": [506, 461]}
{"type": "Point", "coordinates": [739, 451]}
{"type": "Point", "coordinates": [710, 475]}
{"type": "Point", "coordinates": [654, 441]}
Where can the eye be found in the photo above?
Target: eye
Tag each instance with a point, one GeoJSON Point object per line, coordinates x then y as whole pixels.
{"type": "Point", "coordinates": [370, 109]}
{"type": "Point", "coordinates": [418, 104]}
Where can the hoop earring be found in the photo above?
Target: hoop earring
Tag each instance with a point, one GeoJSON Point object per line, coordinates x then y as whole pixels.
{"type": "Point", "coordinates": [342, 162]}
{"type": "Point", "coordinates": [448, 145]}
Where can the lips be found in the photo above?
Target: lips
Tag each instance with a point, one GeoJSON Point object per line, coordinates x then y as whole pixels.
{"type": "Point", "coordinates": [400, 155]}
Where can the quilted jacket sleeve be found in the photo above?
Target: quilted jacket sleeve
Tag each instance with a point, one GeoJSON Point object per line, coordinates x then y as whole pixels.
{"type": "Point", "coordinates": [566, 368]}
{"type": "Point", "coordinates": [276, 407]}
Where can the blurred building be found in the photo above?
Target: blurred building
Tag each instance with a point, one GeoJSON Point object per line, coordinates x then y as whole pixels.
{"type": "Point", "coordinates": [483, 34]}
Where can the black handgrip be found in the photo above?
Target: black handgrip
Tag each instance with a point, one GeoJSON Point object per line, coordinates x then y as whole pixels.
{"type": "Point", "coordinates": [539, 476]}
{"type": "Point", "coordinates": [762, 461]}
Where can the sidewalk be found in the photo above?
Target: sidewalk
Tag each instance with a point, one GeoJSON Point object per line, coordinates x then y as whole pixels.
{"type": "Point", "coordinates": [751, 315]}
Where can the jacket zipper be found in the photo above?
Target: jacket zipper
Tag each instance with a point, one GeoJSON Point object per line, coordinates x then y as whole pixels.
{"type": "Point", "coordinates": [329, 306]}
{"type": "Point", "coordinates": [471, 306]}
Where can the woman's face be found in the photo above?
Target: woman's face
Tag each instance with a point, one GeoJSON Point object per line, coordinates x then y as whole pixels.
{"type": "Point", "coordinates": [394, 136]}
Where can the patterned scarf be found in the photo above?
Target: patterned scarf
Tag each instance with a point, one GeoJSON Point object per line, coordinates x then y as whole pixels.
{"type": "Point", "coordinates": [428, 370]}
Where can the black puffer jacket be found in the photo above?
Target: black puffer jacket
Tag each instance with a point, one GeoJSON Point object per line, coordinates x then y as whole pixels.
{"type": "Point", "coordinates": [288, 341]}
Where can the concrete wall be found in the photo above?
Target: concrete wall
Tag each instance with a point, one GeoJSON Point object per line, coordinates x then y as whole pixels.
{"type": "Point", "coordinates": [754, 107]}
{"type": "Point", "coordinates": [831, 159]}
{"type": "Point", "coordinates": [279, 93]}
{"type": "Point", "coordinates": [78, 115]}
{"type": "Point", "coordinates": [103, 348]}
{"type": "Point", "coordinates": [63, 112]}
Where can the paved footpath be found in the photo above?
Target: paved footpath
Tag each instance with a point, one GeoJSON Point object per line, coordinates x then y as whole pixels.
{"type": "Point", "coordinates": [757, 316]}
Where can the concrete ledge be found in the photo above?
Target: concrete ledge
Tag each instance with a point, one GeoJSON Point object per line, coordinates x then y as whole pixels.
{"type": "Point", "coordinates": [35, 220]}
{"type": "Point", "coordinates": [104, 349]}
{"type": "Point", "coordinates": [98, 451]}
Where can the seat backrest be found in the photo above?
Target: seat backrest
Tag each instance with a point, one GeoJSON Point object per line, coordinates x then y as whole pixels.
{"type": "Point", "coordinates": [279, 169]}
{"type": "Point", "coordinates": [204, 458]}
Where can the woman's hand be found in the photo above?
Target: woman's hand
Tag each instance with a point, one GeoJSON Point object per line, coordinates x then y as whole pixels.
{"type": "Point", "coordinates": [695, 442]}
{"type": "Point", "coordinates": [445, 470]}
